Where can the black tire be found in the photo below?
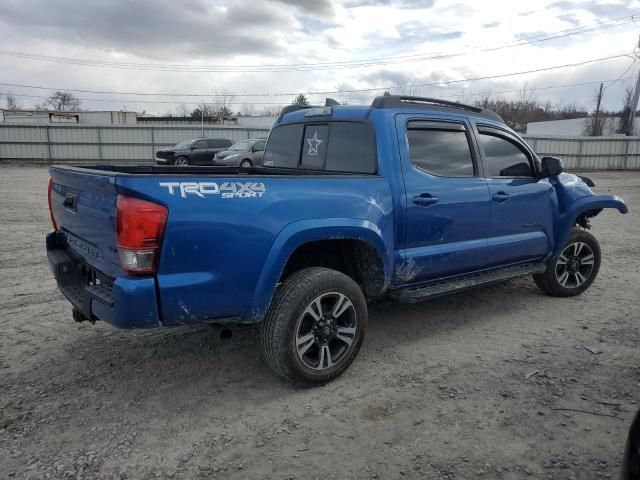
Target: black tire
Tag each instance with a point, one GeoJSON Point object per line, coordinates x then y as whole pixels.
{"type": "Point", "coordinates": [575, 269]}
{"type": "Point", "coordinates": [246, 163]}
{"type": "Point", "coordinates": [181, 161]}
{"type": "Point", "coordinates": [289, 315]}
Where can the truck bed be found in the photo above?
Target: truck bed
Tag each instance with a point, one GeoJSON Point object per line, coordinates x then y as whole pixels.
{"type": "Point", "coordinates": [223, 232]}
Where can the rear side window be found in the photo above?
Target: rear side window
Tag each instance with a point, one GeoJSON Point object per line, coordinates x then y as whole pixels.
{"type": "Point", "coordinates": [504, 158]}
{"type": "Point", "coordinates": [334, 146]}
{"type": "Point", "coordinates": [441, 152]}
{"type": "Point", "coordinates": [218, 143]}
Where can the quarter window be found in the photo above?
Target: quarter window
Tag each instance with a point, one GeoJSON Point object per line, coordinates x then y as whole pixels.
{"type": "Point", "coordinates": [445, 153]}
{"type": "Point", "coordinates": [504, 158]}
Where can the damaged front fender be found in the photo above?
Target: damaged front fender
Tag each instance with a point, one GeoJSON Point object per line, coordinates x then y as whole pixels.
{"type": "Point", "coordinates": [590, 204]}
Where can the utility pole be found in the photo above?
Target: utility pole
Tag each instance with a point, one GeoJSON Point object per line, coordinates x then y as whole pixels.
{"type": "Point", "coordinates": [202, 119]}
{"type": "Point", "coordinates": [596, 131]}
{"type": "Point", "coordinates": [633, 107]}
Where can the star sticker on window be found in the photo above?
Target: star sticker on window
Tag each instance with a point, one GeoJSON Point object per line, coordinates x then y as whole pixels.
{"type": "Point", "coordinates": [314, 143]}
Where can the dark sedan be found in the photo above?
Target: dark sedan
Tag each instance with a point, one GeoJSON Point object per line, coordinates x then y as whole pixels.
{"type": "Point", "coordinates": [197, 151]}
{"type": "Point", "coordinates": [245, 153]}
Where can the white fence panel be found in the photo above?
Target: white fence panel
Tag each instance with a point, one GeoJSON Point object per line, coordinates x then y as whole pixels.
{"type": "Point", "coordinates": [589, 153]}
{"type": "Point", "coordinates": [138, 143]}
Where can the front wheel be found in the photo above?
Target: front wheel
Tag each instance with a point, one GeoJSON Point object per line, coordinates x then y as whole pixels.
{"type": "Point", "coordinates": [245, 163]}
{"type": "Point", "coordinates": [315, 326]}
{"type": "Point", "coordinates": [181, 161]}
{"type": "Point", "coordinates": [575, 269]}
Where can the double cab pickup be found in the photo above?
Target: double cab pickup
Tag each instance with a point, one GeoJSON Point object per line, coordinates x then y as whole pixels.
{"type": "Point", "coordinates": [408, 198]}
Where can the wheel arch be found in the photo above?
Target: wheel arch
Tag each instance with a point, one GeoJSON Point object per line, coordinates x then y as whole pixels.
{"type": "Point", "coordinates": [582, 206]}
{"type": "Point", "coordinates": [302, 234]}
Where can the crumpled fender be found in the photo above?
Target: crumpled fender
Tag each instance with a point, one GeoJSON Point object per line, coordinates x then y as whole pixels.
{"type": "Point", "coordinates": [584, 204]}
{"type": "Point", "coordinates": [304, 231]}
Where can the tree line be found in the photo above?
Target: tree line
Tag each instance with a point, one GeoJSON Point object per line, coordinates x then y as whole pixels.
{"type": "Point", "coordinates": [516, 112]}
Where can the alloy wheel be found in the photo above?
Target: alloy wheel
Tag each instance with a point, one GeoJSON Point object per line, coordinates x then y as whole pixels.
{"type": "Point", "coordinates": [326, 331]}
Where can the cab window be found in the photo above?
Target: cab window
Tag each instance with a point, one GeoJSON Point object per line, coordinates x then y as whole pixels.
{"type": "Point", "coordinates": [440, 149]}
{"type": "Point", "coordinates": [504, 158]}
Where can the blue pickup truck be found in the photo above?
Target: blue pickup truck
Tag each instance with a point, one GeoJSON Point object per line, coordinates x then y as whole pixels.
{"type": "Point", "coordinates": [408, 198]}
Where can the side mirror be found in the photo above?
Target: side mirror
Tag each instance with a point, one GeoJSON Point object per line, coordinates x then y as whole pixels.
{"type": "Point", "coordinates": [192, 148]}
{"type": "Point", "coordinates": [551, 166]}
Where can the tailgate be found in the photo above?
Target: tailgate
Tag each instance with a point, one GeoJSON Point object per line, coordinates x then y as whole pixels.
{"type": "Point", "coordinates": [84, 208]}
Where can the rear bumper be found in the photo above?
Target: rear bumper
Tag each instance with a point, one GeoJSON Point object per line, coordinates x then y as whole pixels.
{"type": "Point", "coordinates": [126, 302]}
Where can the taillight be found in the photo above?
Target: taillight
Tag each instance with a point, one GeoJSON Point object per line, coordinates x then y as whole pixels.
{"type": "Point", "coordinates": [140, 226]}
{"type": "Point", "coordinates": [53, 219]}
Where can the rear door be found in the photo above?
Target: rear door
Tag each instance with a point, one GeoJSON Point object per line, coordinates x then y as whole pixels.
{"type": "Point", "coordinates": [522, 204]}
{"type": "Point", "coordinates": [447, 203]}
{"type": "Point", "coordinates": [216, 145]}
{"type": "Point", "coordinates": [200, 153]}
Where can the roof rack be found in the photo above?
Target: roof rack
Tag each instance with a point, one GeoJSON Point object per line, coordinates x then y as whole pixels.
{"type": "Point", "coordinates": [401, 101]}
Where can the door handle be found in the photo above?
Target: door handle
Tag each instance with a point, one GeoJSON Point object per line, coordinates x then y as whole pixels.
{"type": "Point", "coordinates": [501, 197]}
{"type": "Point", "coordinates": [425, 199]}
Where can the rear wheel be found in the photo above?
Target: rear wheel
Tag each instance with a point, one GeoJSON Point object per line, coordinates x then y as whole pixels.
{"type": "Point", "coordinates": [575, 269]}
{"type": "Point", "coordinates": [181, 161]}
{"type": "Point", "coordinates": [315, 326]}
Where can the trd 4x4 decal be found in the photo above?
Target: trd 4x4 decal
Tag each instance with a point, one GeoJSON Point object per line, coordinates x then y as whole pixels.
{"type": "Point", "coordinates": [225, 190]}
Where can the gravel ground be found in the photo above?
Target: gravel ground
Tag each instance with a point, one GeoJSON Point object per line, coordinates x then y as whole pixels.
{"type": "Point", "coordinates": [468, 386]}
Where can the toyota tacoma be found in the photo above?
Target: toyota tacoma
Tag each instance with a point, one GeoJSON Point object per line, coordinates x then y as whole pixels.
{"type": "Point", "coordinates": [409, 198]}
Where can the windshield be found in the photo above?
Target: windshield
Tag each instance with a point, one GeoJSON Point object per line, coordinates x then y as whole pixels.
{"type": "Point", "coordinates": [243, 145]}
{"type": "Point", "coordinates": [184, 144]}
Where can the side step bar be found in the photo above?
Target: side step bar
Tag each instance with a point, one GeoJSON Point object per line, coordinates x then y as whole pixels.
{"type": "Point", "coordinates": [458, 284]}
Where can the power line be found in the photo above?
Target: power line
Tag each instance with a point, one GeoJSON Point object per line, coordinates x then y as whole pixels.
{"type": "Point", "coordinates": [165, 102]}
{"type": "Point", "coordinates": [326, 92]}
{"type": "Point", "coordinates": [321, 65]}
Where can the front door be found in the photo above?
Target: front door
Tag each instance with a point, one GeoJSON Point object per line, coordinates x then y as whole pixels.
{"type": "Point", "coordinates": [521, 203]}
{"type": "Point", "coordinates": [447, 204]}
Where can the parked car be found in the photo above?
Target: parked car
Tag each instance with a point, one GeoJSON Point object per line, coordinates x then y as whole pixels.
{"type": "Point", "coordinates": [411, 198]}
{"type": "Point", "coordinates": [197, 151]}
{"type": "Point", "coordinates": [245, 153]}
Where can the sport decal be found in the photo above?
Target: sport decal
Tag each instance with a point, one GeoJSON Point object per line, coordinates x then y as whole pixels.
{"type": "Point", "coordinates": [225, 190]}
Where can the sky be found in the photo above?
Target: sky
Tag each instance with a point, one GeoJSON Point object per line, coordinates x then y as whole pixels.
{"type": "Point", "coordinates": [261, 53]}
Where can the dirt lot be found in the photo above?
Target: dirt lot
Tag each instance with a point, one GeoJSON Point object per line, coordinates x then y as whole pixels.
{"type": "Point", "coordinates": [440, 389]}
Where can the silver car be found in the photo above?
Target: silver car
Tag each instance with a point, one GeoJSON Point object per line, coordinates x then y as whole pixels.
{"type": "Point", "coordinates": [245, 153]}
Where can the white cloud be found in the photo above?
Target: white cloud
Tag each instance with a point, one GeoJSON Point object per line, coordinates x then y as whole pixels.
{"type": "Point", "coordinates": [243, 32]}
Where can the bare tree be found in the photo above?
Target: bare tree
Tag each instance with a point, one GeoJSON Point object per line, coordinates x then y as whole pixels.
{"type": "Point", "coordinates": [63, 101]}
{"type": "Point", "coordinates": [271, 110]}
{"type": "Point", "coordinates": [623, 120]}
{"type": "Point", "coordinates": [408, 90]}
{"type": "Point", "coordinates": [248, 109]}
{"type": "Point", "coordinates": [221, 106]}
{"type": "Point", "coordinates": [12, 103]}
{"type": "Point", "coordinates": [525, 109]}
{"type": "Point", "coordinates": [182, 110]}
